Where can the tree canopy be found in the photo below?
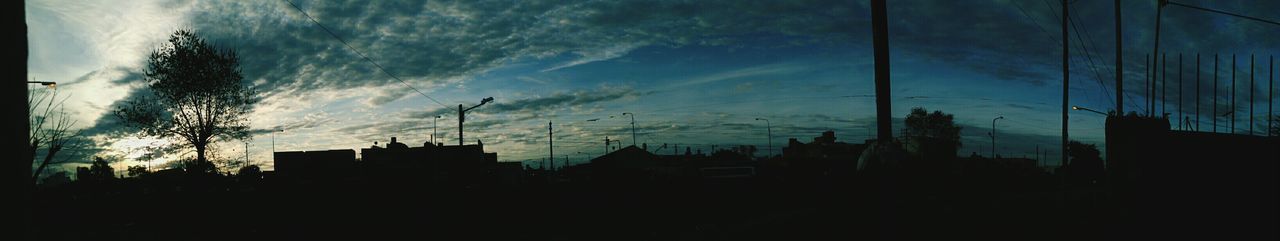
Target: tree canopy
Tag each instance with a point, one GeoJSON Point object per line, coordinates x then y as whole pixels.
{"type": "Point", "coordinates": [196, 94]}
{"type": "Point", "coordinates": [922, 124]}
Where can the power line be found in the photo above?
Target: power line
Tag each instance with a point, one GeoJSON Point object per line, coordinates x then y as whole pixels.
{"type": "Point", "coordinates": [362, 55]}
{"type": "Point", "coordinates": [1223, 12]}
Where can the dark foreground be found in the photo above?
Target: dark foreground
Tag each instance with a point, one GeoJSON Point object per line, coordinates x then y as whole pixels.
{"type": "Point", "coordinates": [707, 210]}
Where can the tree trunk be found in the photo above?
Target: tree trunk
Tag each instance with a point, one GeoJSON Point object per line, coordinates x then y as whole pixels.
{"type": "Point", "coordinates": [200, 148]}
{"type": "Point", "coordinates": [35, 177]}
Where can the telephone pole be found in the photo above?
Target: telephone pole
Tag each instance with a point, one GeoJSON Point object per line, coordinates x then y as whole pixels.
{"type": "Point", "coordinates": [1066, 77]}
{"type": "Point", "coordinates": [880, 44]}
{"type": "Point", "coordinates": [1119, 66]}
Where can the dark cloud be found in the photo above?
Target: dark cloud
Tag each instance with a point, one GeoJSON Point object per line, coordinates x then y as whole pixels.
{"type": "Point", "coordinates": [430, 43]}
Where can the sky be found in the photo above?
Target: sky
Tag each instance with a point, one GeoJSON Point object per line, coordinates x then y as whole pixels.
{"type": "Point", "coordinates": [693, 73]}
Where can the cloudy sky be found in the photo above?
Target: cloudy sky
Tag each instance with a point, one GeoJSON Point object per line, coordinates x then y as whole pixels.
{"type": "Point", "coordinates": [696, 73]}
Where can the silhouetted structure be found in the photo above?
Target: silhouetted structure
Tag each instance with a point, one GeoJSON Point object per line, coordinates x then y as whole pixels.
{"type": "Point", "coordinates": [461, 165]}
{"type": "Point", "coordinates": [821, 159]}
{"type": "Point", "coordinates": [1208, 184]}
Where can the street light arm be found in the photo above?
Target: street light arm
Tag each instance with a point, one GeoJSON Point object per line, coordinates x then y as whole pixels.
{"type": "Point", "coordinates": [482, 102]}
{"type": "Point", "coordinates": [1087, 109]}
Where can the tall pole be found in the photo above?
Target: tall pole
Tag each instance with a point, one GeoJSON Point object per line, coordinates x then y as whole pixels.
{"type": "Point", "coordinates": [1164, 87]}
{"type": "Point", "coordinates": [880, 43]}
{"type": "Point", "coordinates": [551, 148]}
{"type": "Point", "coordinates": [433, 130]}
{"type": "Point", "coordinates": [1156, 51]}
{"type": "Point", "coordinates": [768, 128]}
{"type": "Point", "coordinates": [246, 153]}
{"type": "Point", "coordinates": [633, 127]}
{"type": "Point", "coordinates": [1066, 79]}
{"type": "Point", "coordinates": [1251, 83]}
{"type": "Point", "coordinates": [1233, 94]}
{"type": "Point", "coordinates": [1197, 91]}
{"type": "Point", "coordinates": [462, 115]}
{"type": "Point", "coordinates": [1180, 93]}
{"type": "Point", "coordinates": [1119, 65]}
{"type": "Point", "coordinates": [1215, 93]}
{"type": "Point", "coordinates": [1146, 90]}
{"type": "Point", "coordinates": [993, 137]}
{"type": "Point", "coordinates": [1271, 93]}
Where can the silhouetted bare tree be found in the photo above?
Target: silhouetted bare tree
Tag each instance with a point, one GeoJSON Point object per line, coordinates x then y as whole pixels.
{"type": "Point", "coordinates": [50, 128]}
{"type": "Point", "coordinates": [197, 95]}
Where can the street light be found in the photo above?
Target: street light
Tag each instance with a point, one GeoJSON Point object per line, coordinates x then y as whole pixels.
{"type": "Point", "coordinates": [633, 128]}
{"type": "Point", "coordinates": [273, 143]}
{"type": "Point", "coordinates": [462, 115]}
{"type": "Point", "coordinates": [993, 136]}
{"type": "Point", "coordinates": [1087, 109]}
{"type": "Point", "coordinates": [433, 130]}
{"type": "Point", "coordinates": [768, 127]}
{"type": "Point", "coordinates": [50, 84]}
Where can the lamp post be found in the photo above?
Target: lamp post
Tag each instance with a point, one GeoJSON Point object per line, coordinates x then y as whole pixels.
{"type": "Point", "coordinates": [462, 115]}
{"type": "Point", "coordinates": [273, 143]}
{"type": "Point", "coordinates": [768, 127]}
{"type": "Point", "coordinates": [993, 136]}
{"type": "Point", "coordinates": [633, 128]}
{"type": "Point", "coordinates": [433, 129]}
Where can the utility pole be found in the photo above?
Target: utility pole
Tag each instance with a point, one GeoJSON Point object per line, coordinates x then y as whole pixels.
{"type": "Point", "coordinates": [606, 145]}
{"type": "Point", "coordinates": [1119, 66]}
{"type": "Point", "coordinates": [1197, 91]}
{"type": "Point", "coordinates": [1066, 78]}
{"type": "Point", "coordinates": [1271, 93]}
{"type": "Point", "coordinates": [462, 115]}
{"type": "Point", "coordinates": [880, 44]}
{"type": "Point", "coordinates": [1251, 83]}
{"type": "Point", "coordinates": [1180, 92]}
{"type": "Point", "coordinates": [1164, 86]}
{"type": "Point", "coordinates": [1215, 93]}
{"type": "Point", "coordinates": [1155, 50]}
{"type": "Point", "coordinates": [1233, 94]}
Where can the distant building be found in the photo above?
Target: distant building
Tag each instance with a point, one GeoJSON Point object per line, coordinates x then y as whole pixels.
{"type": "Point", "coordinates": [465, 164]}
{"type": "Point", "coordinates": [633, 164]}
{"type": "Point", "coordinates": [821, 158]}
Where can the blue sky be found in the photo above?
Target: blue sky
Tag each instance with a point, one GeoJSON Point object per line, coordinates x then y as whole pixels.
{"type": "Point", "coordinates": [696, 73]}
